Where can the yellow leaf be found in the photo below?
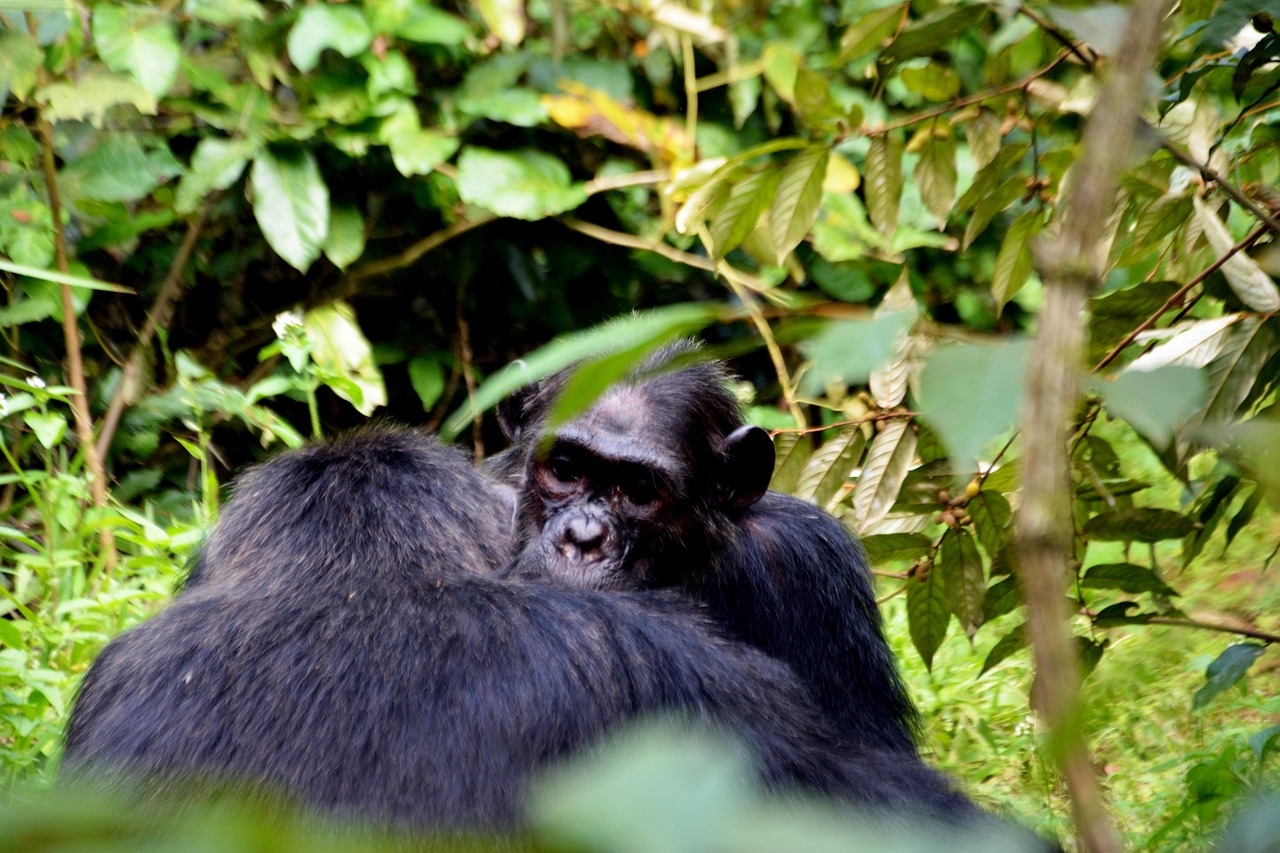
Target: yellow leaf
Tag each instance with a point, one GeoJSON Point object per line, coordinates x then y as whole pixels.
{"type": "Point", "coordinates": [842, 176]}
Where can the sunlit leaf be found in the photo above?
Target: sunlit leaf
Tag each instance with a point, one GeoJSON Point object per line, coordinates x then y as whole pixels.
{"type": "Point", "coordinates": [847, 351]}
{"type": "Point", "coordinates": [291, 203]}
{"type": "Point", "coordinates": [970, 393]}
{"type": "Point", "coordinates": [886, 466]}
{"type": "Point", "coordinates": [428, 380]}
{"type": "Point", "coordinates": [935, 175]}
{"type": "Point", "coordinates": [1014, 262]}
{"type": "Point", "coordinates": [791, 452]}
{"type": "Point", "coordinates": [138, 42]}
{"type": "Point", "coordinates": [340, 348]}
{"type": "Point", "coordinates": [798, 198]}
{"type": "Point", "coordinates": [1254, 287]}
{"type": "Point", "coordinates": [344, 243]}
{"type": "Point", "coordinates": [742, 207]}
{"type": "Point", "coordinates": [504, 18]}
{"type": "Point", "coordinates": [524, 184]}
{"type": "Point", "coordinates": [883, 181]}
{"type": "Point", "coordinates": [1155, 402]}
{"type": "Point", "coordinates": [215, 165]}
{"type": "Point", "coordinates": [119, 169]}
{"type": "Point", "coordinates": [828, 469]}
{"type": "Point", "coordinates": [327, 25]}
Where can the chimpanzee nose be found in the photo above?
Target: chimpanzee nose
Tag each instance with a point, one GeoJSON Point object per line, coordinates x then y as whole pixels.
{"type": "Point", "coordinates": [586, 533]}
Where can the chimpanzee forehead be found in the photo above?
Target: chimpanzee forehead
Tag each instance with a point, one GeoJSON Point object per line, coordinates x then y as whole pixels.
{"type": "Point", "coordinates": [624, 425]}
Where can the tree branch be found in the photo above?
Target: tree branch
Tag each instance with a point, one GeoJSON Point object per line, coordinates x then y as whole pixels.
{"type": "Point", "coordinates": [158, 317]}
{"type": "Point", "coordinates": [1071, 268]}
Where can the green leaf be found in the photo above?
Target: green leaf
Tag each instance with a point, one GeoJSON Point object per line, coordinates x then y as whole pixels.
{"type": "Point", "coordinates": [215, 165]}
{"type": "Point", "coordinates": [1125, 577]}
{"type": "Point", "coordinates": [791, 452]}
{"type": "Point", "coordinates": [888, 461]}
{"type": "Point", "coordinates": [11, 636]}
{"type": "Point", "coordinates": [1265, 742]}
{"type": "Point", "coordinates": [966, 587]}
{"type": "Point", "coordinates": [868, 33]}
{"type": "Point", "coordinates": [226, 12]}
{"type": "Point", "coordinates": [118, 169]}
{"type": "Point", "coordinates": [1001, 597]}
{"type": "Point", "coordinates": [325, 25]}
{"type": "Point", "coordinates": [344, 243]}
{"type": "Point", "coordinates": [342, 351]}
{"type": "Point", "coordinates": [1011, 643]}
{"type": "Point", "coordinates": [982, 132]}
{"type": "Point", "coordinates": [970, 393]}
{"type": "Point", "coordinates": [1118, 615]}
{"type": "Point", "coordinates": [927, 612]}
{"type": "Point", "coordinates": [1155, 402]}
{"type": "Point", "coordinates": [20, 61]}
{"type": "Point", "coordinates": [504, 18]}
{"type": "Point", "coordinates": [640, 332]}
{"type": "Point", "coordinates": [1226, 670]}
{"type": "Point", "coordinates": [923, 37]}
{"type": "Point", "coordinates": [428, 380]}
{"type": "Point", "coordinates": [933, 82]}
{"type": "Point", "coordinates": [148, 52]}
{"type": "Point", "coordinates": [741, 210]}
{"type": "Point", "coordinates": [849, 351]}
{"type": "Point", "coordinates": [893, 547]}
{"type": "Point", "coordinates": [524, 184]}
{"type": "Point", "coordinates": [49, 427]}
{"type": "Point", "coordinates": [62, 278]}
{"type": "Point", "coordinates": [829, 468]}
{"type": "Point", "coordinates": [883, 181]}
{"type": "Point", "coordinates": [1254, 287]}
{"type": "Point", "coordinates": [1138, 525]}
{"type": "Point", "coordinates": [428, 25]}
{"type": "Point", "coordinates": [291, 203]}
{"type": "Point", "coordinates": [1015, 261]}
{"type": "Point", "coordinates": [814, 104]}
{"type": "Point", "coordinates": [991, 519]}
{"type": "Point", "coordinates": [799, 196]}
{"type": "Point", "coordinates": [935, 175]}
{"type": "Point", "coordinates": [1231, 17]}
{"type": "Point", "coordinates": [991, 176]}
{"type": "Point", "coordinates": [989, 207]}
{"type": "Point", "coordinates": [415, 151]}
{"type": "Point", "coordinates": [89, 98]}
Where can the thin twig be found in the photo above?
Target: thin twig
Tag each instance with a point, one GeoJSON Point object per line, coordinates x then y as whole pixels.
{"type": "Point", "coordinates": [71, 336]}
{"type": "Point", "coordinates": [158, 317]}
{"type": "Point", "coordinates": [866, 419]}
{"type": "Point", "coordinates": [961, 103]}
{"type": "Point", "coordinates": [409, 256]}
{"type": "Point", "coordinates": [1213, 626]}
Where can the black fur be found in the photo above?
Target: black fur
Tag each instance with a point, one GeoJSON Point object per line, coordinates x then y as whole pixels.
{"type": "Point", "coordinates": [346, 644]}
{"type": "Point", "coordinates": [782, 574]}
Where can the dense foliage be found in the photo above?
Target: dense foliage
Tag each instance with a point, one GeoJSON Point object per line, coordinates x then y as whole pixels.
{"type": "Point", "coordinates": [232, 223]}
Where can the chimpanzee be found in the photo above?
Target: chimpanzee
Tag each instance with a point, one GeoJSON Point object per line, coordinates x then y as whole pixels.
{"type": "Point", "coordinates": [349, 644]}
{"type": "Point", "coordinates": [659, 484]}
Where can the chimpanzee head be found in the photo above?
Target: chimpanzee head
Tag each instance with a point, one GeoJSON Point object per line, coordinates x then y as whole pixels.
{"type": "Point", "coordinates": [649, 478]}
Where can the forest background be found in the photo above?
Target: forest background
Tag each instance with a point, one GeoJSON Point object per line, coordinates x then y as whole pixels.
{"type": "Point", "coordinates": [230, 225]}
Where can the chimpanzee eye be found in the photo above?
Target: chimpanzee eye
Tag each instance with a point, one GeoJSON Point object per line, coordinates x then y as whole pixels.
{"type": "Point", "coordinates": [640, 489]}
{"type": "Point", "coordinates": [564, 469]}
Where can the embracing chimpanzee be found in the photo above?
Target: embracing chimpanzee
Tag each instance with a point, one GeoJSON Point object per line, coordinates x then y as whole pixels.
{"type": "Point", "coordinates": [350, 636]}
{"type": "Point", "coordinates": [660, 485]}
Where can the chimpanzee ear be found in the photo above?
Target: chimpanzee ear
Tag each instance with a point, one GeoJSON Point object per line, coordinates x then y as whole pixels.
{"type": "Point", "coordinates": [513, 412]}
{"type": "Point", "coordinates": [747, 467]}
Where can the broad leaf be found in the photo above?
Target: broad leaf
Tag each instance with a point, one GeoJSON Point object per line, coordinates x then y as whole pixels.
{"type": "Point", "coordinates": [215, 165]}
{"type": "Point", "coordinates": [847, 351]}
{"type": "Point", "coordinates": [428, 379]}
{"type": "Point", "coordinates": [923, 37]}
{"type": "Point", "coordinates": [341, 351]}
{"type": "Point", "coordinates": [325, 25]}
{"type": "Point", "coordinates": [935, 175]}
{"type": "Point", "coordinates": [887, 464]}
{"type": "Point", "coordinates": [927, 612]}
{"type": "Point", "coordinates": [1226, 670]}
{"type": "Point", "coordinates": [89, 98]}
{"type": "Point", "coordinates": [1011, 643]}
{"type": "Point", "coordinates": [893, 547]}
{"type": "Point", "coordinates": [141, 43]}
{"type": "Point", "coordinates": [829, 468]}
{"type": "Point", "coordinates": [1125, 577]}
{"type": "Point", "coordinates": [1155, 402]}
{"type": "Point", "coordinates": [1254, 287]}
{"type": "Point", "coordinates": [883, 176]}
{"type": "Point", "coordinates": [1138, 525]}
{"type": "Point", "coordinates": [291, 204]}
{"type": "Point", "coordinates": [970, 393]}
{"type": "Point", "coordinates": [344, 243]}
{"type": "Point", "coordinates": [119, 169]}
{"type": "Point", "coordinates": [991, 519]}
{"type": "Point", "coordinates": [1001, 597]}
{"type": "Point", "coordinates": [961, 568]}
{"type": "Point", "coordinates": [524, 184]}
{"type": "Point", "coordinates": [737, 217]}
{"type": "Point", "coordinates": [791, 452]}
{"type": "Point", "coordinates": [799, 195]}
{"type": "Point", "coordinates": [990, 176]}
{"type": "Point", "coordinates": [504, 18]}
{"type": "Point", "coordinates": [1015, 261]}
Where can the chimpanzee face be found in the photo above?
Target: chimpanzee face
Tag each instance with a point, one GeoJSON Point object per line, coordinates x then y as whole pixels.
{"type": "Point", "coordinates": [630, 491]}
